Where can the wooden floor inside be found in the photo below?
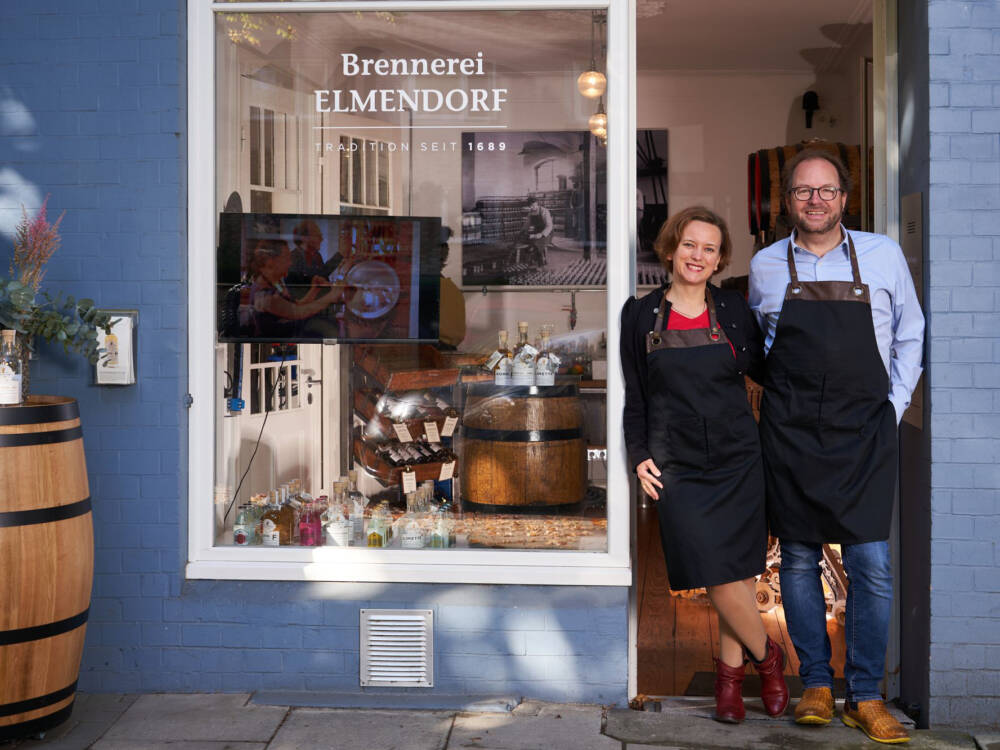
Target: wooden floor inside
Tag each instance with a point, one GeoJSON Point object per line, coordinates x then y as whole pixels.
{"type": "Point", "coordinates": [678, 637]}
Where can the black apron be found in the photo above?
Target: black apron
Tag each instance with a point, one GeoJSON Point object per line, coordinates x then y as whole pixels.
{"type": "Point", "coordinates": [827, 427]}
{"type": "Point", "coordinates": [703, 439]}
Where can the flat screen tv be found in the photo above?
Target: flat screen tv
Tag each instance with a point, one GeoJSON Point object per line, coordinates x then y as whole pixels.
{"type": "Point", "coordinates": [302, 278]}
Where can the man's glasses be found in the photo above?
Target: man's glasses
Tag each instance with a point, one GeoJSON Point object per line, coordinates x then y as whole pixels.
{"type": "Point", "coordinates": [827, 192]}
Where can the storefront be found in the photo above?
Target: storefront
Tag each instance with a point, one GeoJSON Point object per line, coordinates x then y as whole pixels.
{"type": "Point", "coordinates": [448, 172]}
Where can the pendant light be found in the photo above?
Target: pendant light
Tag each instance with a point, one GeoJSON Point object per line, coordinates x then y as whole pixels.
{"type": "Point", "coordinates": [598, 122]}
{"type": "Point", "coordinates": [592, 83]}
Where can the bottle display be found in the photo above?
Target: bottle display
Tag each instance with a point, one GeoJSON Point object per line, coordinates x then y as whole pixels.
{"type": "Point", "coordinates": [10, 371]}
{"type": "Point", "coordinates": [523, 369]}
{"type": "Point", "coordinates": [356, 509]}
{"type": "Point", "coordinates": [337, 519]}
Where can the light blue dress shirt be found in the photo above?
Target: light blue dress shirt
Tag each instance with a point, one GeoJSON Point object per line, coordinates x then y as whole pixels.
{"type": "Point", "coordinates": [896, 313]}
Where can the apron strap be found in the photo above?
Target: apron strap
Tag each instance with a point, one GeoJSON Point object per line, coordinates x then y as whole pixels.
{"type": "Point", "coordinates": [855, 271]}
{"type": "Point", "coordinates": [713, 322]}
{"type": "Point", "coordinates": [658, 326]}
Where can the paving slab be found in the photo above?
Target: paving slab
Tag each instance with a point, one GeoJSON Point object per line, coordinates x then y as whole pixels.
{"type": "Point", "coordinates": [385, 700]}
{"type": "Point", "coordinates": [182, 745]}
{"type": "Point", "coordinates": [987, 739]}
{"type": "Point", "coordinates": [691, 729]}
{"type": "Point", "coordinates": [379, 730]}
{"type": "Point", "coordinates": [93, 714]}
{"type": "Point", "coordinates": [553, 727]}
{"type": "Point", "coordinates": [219, 717]}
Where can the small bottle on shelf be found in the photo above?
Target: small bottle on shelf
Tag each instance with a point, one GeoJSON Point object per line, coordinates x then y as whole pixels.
{"type": "Point", "coordinates": [243, 526]}
{"type": "Point", "coordinates": [10, 371]}
{"type": "Point", "coordinates": [356, 509]}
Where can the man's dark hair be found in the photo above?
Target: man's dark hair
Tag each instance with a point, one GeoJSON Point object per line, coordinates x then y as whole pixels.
{"type": "Point", "coordinates": [788, 172]}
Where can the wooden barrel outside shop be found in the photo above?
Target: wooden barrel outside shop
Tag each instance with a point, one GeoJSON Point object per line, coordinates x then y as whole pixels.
{"type": "Point", "coordinates": [764, 168]}
{"type": "Point", "coordinates": [46, 562]}
{"type": "Point", "coordinates": [523, 446]}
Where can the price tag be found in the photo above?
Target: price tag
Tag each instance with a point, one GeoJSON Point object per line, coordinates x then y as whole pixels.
{"type": "Point", "coordinates": [447, 471]}
{"type": "Point", "coordinates": [402, 432]}
{"type": "Point", "coordinates": [409, 481]}
{"type": "Point", "coordinates": [449, 426]}
{"type": "Point", "coordinates": [431, 430]}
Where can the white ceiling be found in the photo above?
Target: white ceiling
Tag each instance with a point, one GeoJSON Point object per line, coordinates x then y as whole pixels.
{"type": "Point", "coordinates": [699, 35]}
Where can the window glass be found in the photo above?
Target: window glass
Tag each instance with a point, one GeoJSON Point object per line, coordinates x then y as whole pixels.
{"type": "Point", "coordinates": [411, 274]}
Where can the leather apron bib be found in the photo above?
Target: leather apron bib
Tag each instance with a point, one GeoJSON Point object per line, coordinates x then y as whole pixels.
{"type": "Point", "coordinates": [703, 439]}
{"type": "Point", "coordinates": [827, 428]}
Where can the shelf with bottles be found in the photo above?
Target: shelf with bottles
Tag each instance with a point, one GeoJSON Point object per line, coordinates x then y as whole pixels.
{"type": "Point", "coordinates": [389, 461]}
{"type": "Point", "coordinates": [413, 415]}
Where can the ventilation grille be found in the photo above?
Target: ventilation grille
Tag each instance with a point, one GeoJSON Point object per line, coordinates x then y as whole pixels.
{"type": "Point", "coordinates": [397, 647]}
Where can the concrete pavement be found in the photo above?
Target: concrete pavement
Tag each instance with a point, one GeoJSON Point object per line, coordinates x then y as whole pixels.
{"type": "Point", "coordinates": [236, 722]}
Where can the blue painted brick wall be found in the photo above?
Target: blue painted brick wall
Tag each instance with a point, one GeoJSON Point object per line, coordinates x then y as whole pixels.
{"type": "Point", "coordinates": [91, 112]}
{"type": "Point", "coordinates": [964, 368]}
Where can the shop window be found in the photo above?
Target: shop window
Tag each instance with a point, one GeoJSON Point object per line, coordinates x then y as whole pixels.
{"type": "Point", "coordinates": [401, 209]}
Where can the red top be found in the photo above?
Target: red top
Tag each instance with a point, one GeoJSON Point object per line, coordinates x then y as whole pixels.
{"type": "Point", "coordinates": [678, 322]}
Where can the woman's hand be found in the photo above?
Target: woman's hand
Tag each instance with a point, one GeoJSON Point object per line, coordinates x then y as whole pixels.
{"type": "Point", "coordinates": [647, 473]}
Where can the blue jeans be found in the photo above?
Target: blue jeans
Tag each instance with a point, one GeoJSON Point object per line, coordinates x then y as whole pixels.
{"type": "Point", "coordinates": [869, 603]}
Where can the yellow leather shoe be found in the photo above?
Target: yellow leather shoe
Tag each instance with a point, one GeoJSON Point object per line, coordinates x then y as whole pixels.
{"type": "Point", "coordinates": [815, 706]}
{"type": "Point", "coordinates": [874, 719]}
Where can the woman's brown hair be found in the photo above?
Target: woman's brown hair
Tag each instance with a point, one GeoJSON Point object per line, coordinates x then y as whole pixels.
{"type": "Point", "coordinates": [670, 233]}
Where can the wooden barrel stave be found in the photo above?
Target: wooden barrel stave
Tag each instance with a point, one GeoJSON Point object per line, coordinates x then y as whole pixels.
{"type": "Point", "coordinates": [47, 554]}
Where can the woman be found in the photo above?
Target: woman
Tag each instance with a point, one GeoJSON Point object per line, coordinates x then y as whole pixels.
{"type": "Point", "coordinates": [693, 443]}
{"type": "Point", "coordinates": [274, 311]}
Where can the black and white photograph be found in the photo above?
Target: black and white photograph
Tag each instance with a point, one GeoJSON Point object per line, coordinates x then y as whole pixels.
{"type": "Point", "coordinates": [533, 209]}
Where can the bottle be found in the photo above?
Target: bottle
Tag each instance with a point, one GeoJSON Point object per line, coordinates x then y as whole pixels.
{"type": "Point", "coordinates": [10, 371]}
{"type": "Point", "coordinates": [505, 364]}
{"type": "Point", "coordinates": [523, 371]}
{"type": "Point", "coordinates": [243, 527]}
{"type": "Point", "coordinates": [356, 509]}
{"type": "Point", "coordinates": [492, 365]}
{"type": "Point", "coordinates": [271, 523]}
{"type": "Point", "coordinates": [411, 535]}
{"type": "Point", "coordinates": [310, 528]}
{"type": "Point", "coordinates": [377, 533]}
{"type": "Point", "coordinates": [546, 363]}
{"type": "Point", "coordinates": [337, 519]}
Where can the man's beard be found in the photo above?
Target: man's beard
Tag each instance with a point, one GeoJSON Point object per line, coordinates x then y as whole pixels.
{"type": "Point", "coordinates": [833, 220]}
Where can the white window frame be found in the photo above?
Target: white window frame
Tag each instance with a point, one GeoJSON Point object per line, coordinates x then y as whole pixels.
{"type": "Point", "coordinates": [611, 568]}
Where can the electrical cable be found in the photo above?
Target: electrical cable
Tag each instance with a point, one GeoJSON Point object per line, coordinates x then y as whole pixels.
{"type": "Point", "coordinates": [267, 412]}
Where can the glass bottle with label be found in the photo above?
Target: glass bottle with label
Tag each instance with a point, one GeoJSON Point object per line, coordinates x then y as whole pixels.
{"type": "Point", "coordinates": [546, 363]}
{"type": "Point", "coordinates": [243, 527]}
{"type": "Point", "coordinates": [523, 371]}
{"type": "Point", "coordinates": [10, 371]}
{"type": "Point", "coordinates": [377, 532]}
{"type": "Point", "coordinates": [310, 527]}
{"type": "Point", "coordinates": [500, 362]}
{"type": "Point", "coordinates": [337, 519]}
{"type": "Point", "coordinates": [271, 526]}
{"type": "Point", "coordinates": [411, 534]}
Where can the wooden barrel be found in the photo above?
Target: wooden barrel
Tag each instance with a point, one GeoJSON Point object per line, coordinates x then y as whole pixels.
{"type": "Point", "coordinates": [523, 446]}
{"type": "Point", "coordinates": [47, 562]}
{"type": "Point", "coordinates": [764, 167]}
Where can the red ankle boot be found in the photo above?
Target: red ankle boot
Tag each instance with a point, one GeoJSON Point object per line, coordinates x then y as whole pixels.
{"type": "Point", "coordinates": [729, 693]}
{"type": "Point", "coordinates": [773, 690]}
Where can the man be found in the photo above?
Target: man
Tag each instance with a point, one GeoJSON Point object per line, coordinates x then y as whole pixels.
{"type": "Point", "coordinates": [844, 336]}
{"type": "Point", "coordinates": [307, 261]}
{"type": "Point", "coordinates": [538, 227]}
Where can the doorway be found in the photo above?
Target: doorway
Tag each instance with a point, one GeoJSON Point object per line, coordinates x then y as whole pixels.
{"type": "Point", "coordinates": [738, 87]}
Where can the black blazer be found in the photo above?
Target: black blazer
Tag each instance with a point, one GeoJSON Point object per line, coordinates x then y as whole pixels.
{"type": "Point", "coordinates": [638, 318]}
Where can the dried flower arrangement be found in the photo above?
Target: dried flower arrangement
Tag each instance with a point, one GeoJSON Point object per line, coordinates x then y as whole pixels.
{"type": "Point", "coordinates": [69, 321]}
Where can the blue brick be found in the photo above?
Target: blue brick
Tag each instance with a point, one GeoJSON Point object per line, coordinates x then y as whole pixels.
{"type": "Point", "coordinates": [201, 635]}
{"type": "Point", "coordinates": [140, 561]}
{"type": "Point", "coordinates": [156, 586]}
{"type": "Point", "coordinates": [120, 585]}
